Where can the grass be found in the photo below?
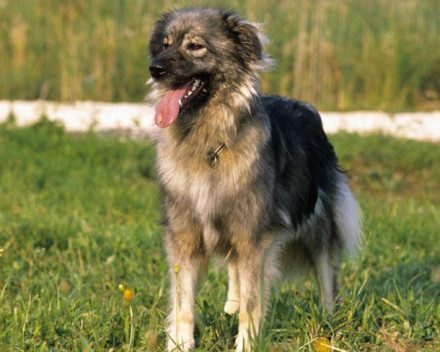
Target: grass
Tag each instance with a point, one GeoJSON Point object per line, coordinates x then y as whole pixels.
{"type": "Point", "coordinates": [79, 216]}
{"type": "Point", "coordinates": [344, 54]}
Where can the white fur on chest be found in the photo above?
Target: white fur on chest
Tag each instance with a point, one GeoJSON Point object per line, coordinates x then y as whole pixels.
{"type": "Point", "coordinates": [205, 188]}
{"type": "Point", "coordinates": [192, 180]}
{"type": "Point", "coordinates": [209, 192]}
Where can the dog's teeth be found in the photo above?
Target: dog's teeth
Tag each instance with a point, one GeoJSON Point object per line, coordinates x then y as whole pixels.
{"type": "Point", "coordinates": [196, 83]}
{"type": "Point", "coordinates": [189, 93]}
{"type": "Point", "coordinates": [204, 90]}
{"type": "Point", "coordinates": [180, 102]}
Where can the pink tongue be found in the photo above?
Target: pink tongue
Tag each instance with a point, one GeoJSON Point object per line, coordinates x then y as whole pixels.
{"type": "Point", "coordinates": [168, 108]}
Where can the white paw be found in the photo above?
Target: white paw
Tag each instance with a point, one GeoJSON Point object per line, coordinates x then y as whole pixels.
{"type": "Point", "coordinates": [232, 306]}
{"type": "Point", "coordinates": [180, 338]}
{"type": "Point", "coordinates": [242, 343]}
{"type": "Point", "coordinates": [180, 347]}
{"type": "Point", "coordinates": [239, 344]}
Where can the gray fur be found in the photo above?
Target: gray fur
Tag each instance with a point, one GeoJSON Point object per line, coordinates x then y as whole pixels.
{"type": "Point", "coordinates": [275, 200]}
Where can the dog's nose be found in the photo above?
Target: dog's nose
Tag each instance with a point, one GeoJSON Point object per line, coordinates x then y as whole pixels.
{"type": "Point", "coordinates": [158, 69]}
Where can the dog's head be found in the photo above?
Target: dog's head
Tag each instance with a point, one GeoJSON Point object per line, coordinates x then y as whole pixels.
{"type": "Point", "coordinates": [197, 52]}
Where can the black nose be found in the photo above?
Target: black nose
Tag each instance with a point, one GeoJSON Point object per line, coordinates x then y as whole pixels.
{"type": "Point", "coordinates": [158, 69]}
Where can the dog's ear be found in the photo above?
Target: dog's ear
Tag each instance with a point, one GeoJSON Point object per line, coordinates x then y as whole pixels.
{"type": "Point", "coordinates": [246, 35]}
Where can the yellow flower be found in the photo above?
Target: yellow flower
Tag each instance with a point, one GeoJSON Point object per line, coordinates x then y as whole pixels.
{"type": "Point", "coordinates": [176, 268]}
{"type": "Point", "coordinates": [121, 287]}
{"type": "Point", "coordinates": [322, 345]}
{"type": "Point", "coordinates": [128, 295]}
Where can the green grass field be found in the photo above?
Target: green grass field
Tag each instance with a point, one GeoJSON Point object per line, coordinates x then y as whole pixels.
{"type": "Point", "coordinates": [339, 54]}
{"type": "Point", "coordinates": [79, 216]}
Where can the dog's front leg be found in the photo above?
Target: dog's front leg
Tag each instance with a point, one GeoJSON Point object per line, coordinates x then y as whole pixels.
{"type": "Point", "coordinates": [186, 264]}
{"type": "Point", "coordinates": [232, 304]}
{"type": "Point", "coordinates": [253, 296]}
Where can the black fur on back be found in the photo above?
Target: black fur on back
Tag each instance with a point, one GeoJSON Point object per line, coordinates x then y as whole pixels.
{"type": "Point", "coordinates": [304, 158]}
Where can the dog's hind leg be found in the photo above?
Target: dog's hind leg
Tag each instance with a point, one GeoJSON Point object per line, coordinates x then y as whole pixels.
{"type": "Point", "coordinates": [346, 232]}
{"type": "Point", "coordinates": [232, 304]}
{"type": "Point", "coordinates": [327, 267]}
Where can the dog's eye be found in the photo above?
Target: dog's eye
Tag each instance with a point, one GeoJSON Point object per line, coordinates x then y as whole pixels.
{"type": "Point", "coordinates": [194, 46]}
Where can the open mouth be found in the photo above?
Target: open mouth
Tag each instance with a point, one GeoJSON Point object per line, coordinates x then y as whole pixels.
{"type": "Point", "coordinates": [177, 99]}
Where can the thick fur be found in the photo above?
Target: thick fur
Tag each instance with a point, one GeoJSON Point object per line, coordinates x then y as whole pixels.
{"type": "Point", "coordinates": [274, 201]}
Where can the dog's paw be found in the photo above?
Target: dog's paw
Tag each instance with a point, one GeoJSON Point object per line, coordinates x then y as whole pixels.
{"type": "Point", "coordinates": [232, 307]}
{"type": "Point", "coordinates": [180, 338]}
{"type": "Point", "coordinates": [242, 343]}
{"type": "Point", "coordinates": [181, 347]}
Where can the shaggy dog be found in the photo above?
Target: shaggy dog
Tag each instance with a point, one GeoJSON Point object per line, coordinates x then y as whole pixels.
{"type": "Point", "coordinates": [249, 177]}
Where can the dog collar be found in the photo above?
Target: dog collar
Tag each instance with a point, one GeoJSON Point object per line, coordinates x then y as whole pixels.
{"type": "Point", "coordinates": [213, 155]}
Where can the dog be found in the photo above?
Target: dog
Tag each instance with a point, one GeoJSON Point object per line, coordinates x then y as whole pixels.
{"type": "Point", "coordinates": [251, 178]}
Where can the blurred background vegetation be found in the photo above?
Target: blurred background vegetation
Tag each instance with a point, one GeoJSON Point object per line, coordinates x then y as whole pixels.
{"type": "Point", "coordinates": [338, 54]}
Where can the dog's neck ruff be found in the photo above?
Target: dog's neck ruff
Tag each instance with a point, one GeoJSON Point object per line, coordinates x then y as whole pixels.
{"type": "Point", "coordinates": [214, 155]}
